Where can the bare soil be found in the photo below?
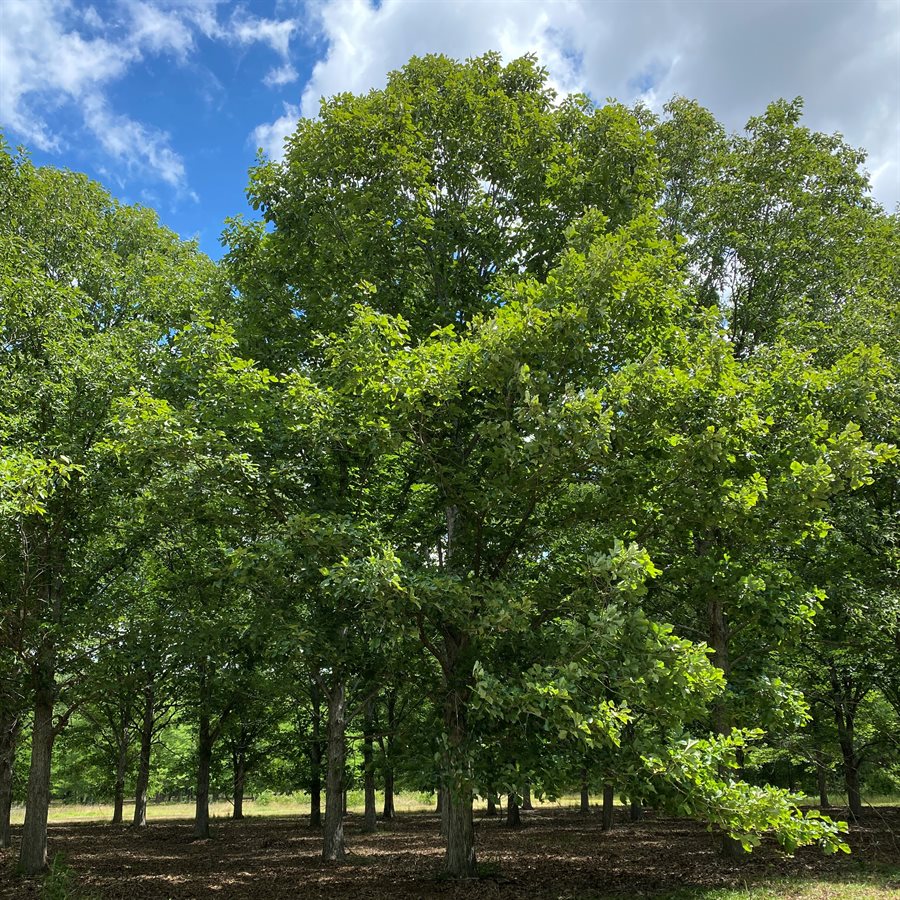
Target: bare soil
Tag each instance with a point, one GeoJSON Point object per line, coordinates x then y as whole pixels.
{"type": "Point", "coordinates": [556, 854]}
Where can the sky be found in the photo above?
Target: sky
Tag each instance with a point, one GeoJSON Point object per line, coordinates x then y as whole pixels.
{"type": "Point", "coordinates": [166, 102]}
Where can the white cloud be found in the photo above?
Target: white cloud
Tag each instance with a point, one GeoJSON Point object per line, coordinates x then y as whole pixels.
{"type": "Point", "coordinates": [842, 56]}
{"type": "Point", "coordinates": [47, 62]}
{"type": "Point", "coordinates": [57, 53]}
{"type": "Point", "coordinates": [159, 30]}
{"type": "Point", "coordinates": [281, 76]}
{"type": "Point", "coordinates": [250, 29]}
{"type": "Point", "coordinates": [39, 59]}
{"type": "Point", "coordinates": [132, 143]}
{"type": "Point", "coordinates": [270, 136]}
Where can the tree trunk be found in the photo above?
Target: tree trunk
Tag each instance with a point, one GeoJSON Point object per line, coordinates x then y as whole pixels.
{"type": "Point", "coordinates": [204, 759]}
{"type": "Point", "coordinates": [608, 798]}
{"type": "Point", "coordinates": [9, 735]}
{"type": "Point", "coordinates": [526, 798]}
{"type": "Point", "coordinates": [718, 640]}
{"type": "Point", "coordinates": [239, 767]}
{"type": "Point", "coordinates": [333, 848]}
{"type": "Point", "coordinates": [121, 771]}
{"type": "Point", "coordinates": [851, 774]}
{"type": "Point", "coordinates": [491, 806]}
{"type": "Point", "coordinates": [388, 812]}
{"type": "Point", "coordinates": [370, 817]}
{"type": "Point", "coordinates": [513, 819]}
{"type": "Point", "coordinates": [636, 811]}
{"type": "Point", "coordinates": [315, 759]}
{"type": "Point", "coordinates": [443, 810]}
{"type": "Point", "coordinates": [822, 783]}
{"type": "Point", "coordinates": [139, 819]}
{"type": "Point", "coordinates": [585, 807]}
{"type": "Point", "coordinates": [33, 853]}
{"type": "Point", "coordinates": [460, 835]}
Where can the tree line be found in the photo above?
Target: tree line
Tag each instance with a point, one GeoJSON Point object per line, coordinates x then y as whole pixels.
{"type": "Point", "coordinates": [519, 445]}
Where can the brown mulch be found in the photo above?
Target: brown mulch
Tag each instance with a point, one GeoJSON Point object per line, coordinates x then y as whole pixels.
{"type": "Point", "coordinates": [556, 854]}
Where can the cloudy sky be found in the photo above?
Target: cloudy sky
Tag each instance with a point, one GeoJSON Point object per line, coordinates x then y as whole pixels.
{"type": "Point", "coordinates": [166, 101]}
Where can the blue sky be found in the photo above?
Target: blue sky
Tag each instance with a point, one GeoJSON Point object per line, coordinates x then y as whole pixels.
{"type": "Point", "coordinates": [166, 101]}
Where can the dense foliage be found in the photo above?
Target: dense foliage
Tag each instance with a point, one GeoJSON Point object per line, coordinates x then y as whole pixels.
{"type": "Point", "coordinates": [521, 446]}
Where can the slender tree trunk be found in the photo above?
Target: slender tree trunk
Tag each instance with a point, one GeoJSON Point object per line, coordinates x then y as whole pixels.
{"type": "Point", "coordinates": [204, 760]}
{"type": "Point", "coordinates": [9, 735]}
{"type": "Point", "coordinates": [822, 782]}
{"type": "Point", "coordinates": [718, 640]}
{"type": "Point", "coordinates": [333, 848]}
{"type": "Point", "coordinates": [845, 703]}
{"type": "Point", "coordinates": [239, 767]}
{"type": "Point", "coordinates": [388, 812]}
{"type": "Point", "coordinates": [315, 759]}
{"type": "Point", "coordinates": [636, 812]}
{"type": "Point", "coordinates": [33, 853]}
{"type": "Point", "coordinates": [139, 819]}
{"type": "Point", "coordinates": [491, 806]}
{"type": "Point", "coordinates": [121, 771]}
{"type": "Point", "coordinates": [526, 797]}
{"type": "Point", "coordinates": [851, 773]}
{"type": "Point", "coordinates": [460, 834]}
{"type": "Point", "coordinates": [513, 819]}
{"type": "Point", "coordinates": [608, 798]}
{"type": "Point", "coordinates": [370, 817]}
{"type": "Point", "coordinates": [585, 807]}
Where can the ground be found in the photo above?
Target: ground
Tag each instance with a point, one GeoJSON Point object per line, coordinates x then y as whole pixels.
{"type": "Point", "coordinates": [556, 854]}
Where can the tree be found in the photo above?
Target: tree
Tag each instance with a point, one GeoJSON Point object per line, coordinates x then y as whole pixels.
{"type": "Point", "coordinates": [90, 292]}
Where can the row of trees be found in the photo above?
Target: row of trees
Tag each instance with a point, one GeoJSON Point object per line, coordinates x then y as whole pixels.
{"type": "Point", "coordinates": [548, 443]}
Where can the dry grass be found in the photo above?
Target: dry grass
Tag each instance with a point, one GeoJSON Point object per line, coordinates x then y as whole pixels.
{"type": "Point", "coordinates": [277, 806]}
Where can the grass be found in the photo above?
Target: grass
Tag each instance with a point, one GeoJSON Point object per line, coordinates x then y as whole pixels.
{"type": "Point", "coordinates": [878, 884]}
{"type": "Point", "coordinates": [298, 805]}
{"type": "Point", "coordinates": [273, 805]}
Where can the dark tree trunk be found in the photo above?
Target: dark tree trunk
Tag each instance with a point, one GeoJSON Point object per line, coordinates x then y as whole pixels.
{"type": "Point", "coordinates": [388, 812]}
{"type": "Point", "coordinates": [585, 807]}
{"type": "Point", "coordinates": [718, 640]}
{"type": "Point", "coordinates": [148, 722]}
{"type": "Point", "coordinates": [9, 735]}
{"type": "Point", "coordinates": [460, 832]}
{"type": "Point", "coordinates": [315, 759]}
{"type": "Point", "coordinates": [333, 848]}
{"type": "Point", "coordinates": [121, 771]}
{"type": "Point", "coordinates": [33, 853]}
{"type": "Point", "coordinates": [526, 798]}
{"type": "Point", "coordinates": [491, 806]}
{"type": "Point", "coordinates": [344, 798]}
{"type": "Point", "coordinates": [636, 811]}
{"type": "Point", "coordinates": [513, 819]}
{"type": "Point", "coordinates": [608, 798]}
{"type": "Point", "coordinates": [239, 768]}
{"type": "Point", "coordinates": [846, 697]}
{"type": "Point", "coordinates": [370, 816]}
{"type": "Point", "coordinates": [851, 774]}
{"type": "Point", "coordinates": [822, 783]}
{"type": "Point", "coordinates": [204, 759]}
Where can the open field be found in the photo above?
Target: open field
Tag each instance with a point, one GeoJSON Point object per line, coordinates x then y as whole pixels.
{"type": "Point", "coordinates": [557, 854]}
{"type": "Point", "coordinates": [277, 805]}
{"type": "Point", "coordinates": [298, 805]}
